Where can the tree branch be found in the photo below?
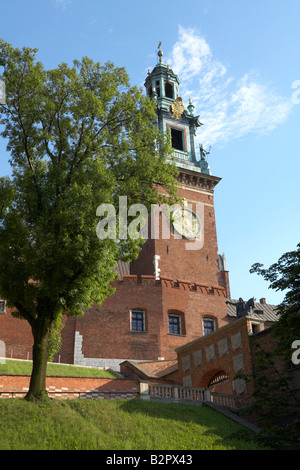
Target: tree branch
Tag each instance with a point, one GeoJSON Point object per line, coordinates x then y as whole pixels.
{"type": "Point", "coordinates": [24, 313]}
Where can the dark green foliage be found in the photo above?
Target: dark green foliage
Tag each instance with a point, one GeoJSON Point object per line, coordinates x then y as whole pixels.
{"type": "Point", "coordinates": [78, 137]}
{"type": "Point", "coordinates": [277, 391]}
{"type": "Point", "coordinates": [285, 276]}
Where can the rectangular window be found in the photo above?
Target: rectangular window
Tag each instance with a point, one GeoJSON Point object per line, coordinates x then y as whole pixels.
{"type": "Point", "coordinates": [157, 86]}
{"type": "Point", "coordinates": [137, 320]}
{"type": "Point", "coordinates": [168, 90]}
{"type": "Point", "coordinates": [174, 325]}
{"type": "Point", "coordinates": [208, 325]}
{"type": "Point", "coordinates": [177, 139]}
{"type": "Point", "coordinates": [2, 306]}
{"type": "Point", "coordinates": [255, 327]}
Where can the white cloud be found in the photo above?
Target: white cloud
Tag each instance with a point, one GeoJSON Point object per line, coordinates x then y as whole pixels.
{"type": "Point", "coordinates": [62, 4]}
{"type": "Point", "coordinates": [230, 107]}
{"type": "Point", "coordinates": [189, 54]}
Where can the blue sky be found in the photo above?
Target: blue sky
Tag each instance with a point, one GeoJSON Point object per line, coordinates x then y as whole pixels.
{"type": "Point", "coordinates": [237, 61]}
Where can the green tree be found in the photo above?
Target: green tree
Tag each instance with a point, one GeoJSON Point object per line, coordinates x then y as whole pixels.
{"type": "Point", "coordinates": [284, 275]}
{"type": "Point", "coordinates": [78, 136]}
{"type": "Point", "coordinates": [277, 392]}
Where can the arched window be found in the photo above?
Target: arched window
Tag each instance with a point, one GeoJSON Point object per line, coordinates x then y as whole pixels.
{"type": "Point", "coordinates": [169, 90]}
{"type": "Point", "coordinates": [157, 88]}
{"type": "Point", "coordinates": [218, 378]}
{"type": "Point", "coordinates": [209, 325]}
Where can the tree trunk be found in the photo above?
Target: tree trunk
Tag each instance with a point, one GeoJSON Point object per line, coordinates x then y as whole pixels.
{"type": "Point", "coordinates": [37, 387]}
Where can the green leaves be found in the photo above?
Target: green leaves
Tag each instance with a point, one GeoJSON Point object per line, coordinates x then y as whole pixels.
{"type": "Point", "coordinates": [276, 393]}
{"type": "Point", "coordinates": [285, 276]}
{"type": "Point", "coordinates": [78, 136]}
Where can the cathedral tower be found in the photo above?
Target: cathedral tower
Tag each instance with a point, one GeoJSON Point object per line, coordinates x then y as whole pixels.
{"type": "Point", "coordinates": [176, 291]}
{"type": "Point", "coordinates": [182, 256]}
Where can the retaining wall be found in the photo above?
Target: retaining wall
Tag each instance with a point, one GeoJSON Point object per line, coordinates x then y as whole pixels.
{"type": "Point", "coordinates": [71, 387]}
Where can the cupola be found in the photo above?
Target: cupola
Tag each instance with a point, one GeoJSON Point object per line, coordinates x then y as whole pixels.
{"type": "Point", "coordinates": [162, 85]}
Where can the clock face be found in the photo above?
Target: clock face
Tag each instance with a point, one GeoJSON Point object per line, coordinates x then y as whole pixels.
{"type": "Point", "coordinates": [186, 223]}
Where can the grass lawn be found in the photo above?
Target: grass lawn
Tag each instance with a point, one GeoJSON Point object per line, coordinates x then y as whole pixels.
{"type": "Point", "coordinates": [15, 367]}
{"type": "Point", "coordinates": [116, 425]}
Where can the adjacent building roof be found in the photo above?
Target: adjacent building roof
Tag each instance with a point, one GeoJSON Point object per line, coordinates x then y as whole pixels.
{"type": "Point", "coordinates": [155, 369]}
{"type": "Point", "coordinates": [123, 268]}
{"type": "Point", "coordinates": [160, 368]}
{"type": "Point", "coordinates": [261, 311]}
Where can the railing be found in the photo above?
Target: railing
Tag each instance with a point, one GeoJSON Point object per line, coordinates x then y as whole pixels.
{"type": "Point", "coordinates": [181, 155]}
{"type": "Point", "coordinates": [174, 393]}
{"type": "Point", "coordinates": [223, 399]}
{"type": "Point", "coordinates": [148, 390]}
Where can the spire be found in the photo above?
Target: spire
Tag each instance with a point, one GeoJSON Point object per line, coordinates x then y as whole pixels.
{"type": "Point", "coordinates": [160, 52]}
{"type": "Point", "coordinates": [173, 117]}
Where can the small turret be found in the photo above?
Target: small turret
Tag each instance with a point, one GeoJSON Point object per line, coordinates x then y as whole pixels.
{"type": "Point", "coordinates": [163, 80]}
{"type": "Point", "coordinates": [162, 85]}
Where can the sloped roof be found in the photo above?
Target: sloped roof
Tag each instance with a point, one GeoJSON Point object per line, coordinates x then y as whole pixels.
{"type": "Point", "coordinates": [160, 368]}
{"type": "Point", "coordinates": [155, 369]}
{"type": "Point", "coordinates": [268, 311]}
{"type": "Point", "coordinates": [123, 268]}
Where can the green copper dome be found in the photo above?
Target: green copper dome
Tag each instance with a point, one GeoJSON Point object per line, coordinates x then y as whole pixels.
{"type": "Point", "coordinates": [162, 85]}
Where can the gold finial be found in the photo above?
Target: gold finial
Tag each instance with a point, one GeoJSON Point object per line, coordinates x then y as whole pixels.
{"type": "Point", "coordinates": [160, 52]}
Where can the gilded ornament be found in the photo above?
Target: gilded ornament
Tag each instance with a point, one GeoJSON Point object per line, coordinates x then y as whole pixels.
{"type": "Point", "coordinates": [177, 108]}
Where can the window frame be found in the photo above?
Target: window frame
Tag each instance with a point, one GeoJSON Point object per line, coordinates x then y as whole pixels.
{"type": "Point", "coordinates": [257, 327]}
{"type": "Point", "coordinates": [210, 319]}
{"type": "Point", "coordinates": [2, 308]}
{"type": "Point", "coordinates": [157, 88]}
{"type": "Point", "coordinates": [171, 85]}
{"type": "Point", "coordinates": [136, 320]}
{"type": "Point", "coordinates": [184, 138]}
{"type": "Point", "coordinates": [178, 317]}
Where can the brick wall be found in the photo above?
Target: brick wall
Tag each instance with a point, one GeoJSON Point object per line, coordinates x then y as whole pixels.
{"type": "Point", "coordinates": [103, 336]}
{"type": "Point", "coordinates": [176, 261]}
{"type": "Point", "coordinates": [225, 350]}
{"type": "Point", "coordinates": [196, 302]}
{"type": "Point", "coordinates": [66, 353]}
{"type": "Point", "coordinates": [72, 387]}
{"type": "Point", "coordinates": [104, 332]}
{"type": "Point", "coordinates": [17, 336]}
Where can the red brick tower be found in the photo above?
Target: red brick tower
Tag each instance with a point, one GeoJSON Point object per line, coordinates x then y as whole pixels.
{"type": "Point", "coordinates": [176, 291]}
{"type": "Point", "coordinates": [183, 255]}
